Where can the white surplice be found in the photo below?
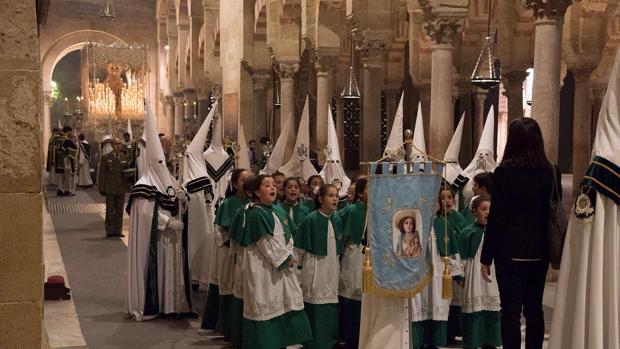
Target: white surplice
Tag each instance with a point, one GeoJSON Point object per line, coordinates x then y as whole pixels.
{"type": "Point", "coordinates": [350, 283]}
{"type": "Point", "coordinates": [84, 178]}
{"type": "Point", "coordinates": [479, 295]}
{"type": "Point", "coordinates": [319, 274]}
{"type": "Point", "coordinates": [226, 263]}
{"type": "Point", "coordinates": [268, 292]}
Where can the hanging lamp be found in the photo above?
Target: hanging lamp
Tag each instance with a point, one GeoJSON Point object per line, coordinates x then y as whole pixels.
{"type": "Point", "coordinates": [276, 89]}
{"type": "Point", "coordinates": [107, 11]}
{"type": "Point", "coordinates": [486, 58]}
{"type": "Point", "coordinates": [351, 90]}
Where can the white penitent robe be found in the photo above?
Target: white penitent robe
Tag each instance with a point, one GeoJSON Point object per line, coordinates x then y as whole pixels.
{"type": "Point", "coordinates": [170, 280]}
{"type": "Point", "coordinates": [200, 239]}
{"type": "Point", "coordinates": [84, 178]}
{"type": "Point", "coordinates": [385, 322]}
{"type": "Point", "coordinates": [319, 274]}
{"type": "Point", "coordinates": [141, 160]}
{"type": "Point", "coordinates": [269, 296]}
{"type": "Point", "coordinates": [587, 300]}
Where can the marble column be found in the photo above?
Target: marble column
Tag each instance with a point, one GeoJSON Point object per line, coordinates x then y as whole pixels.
{"type": "Point", "coordinates": [513, 90]}
{"type": "Point", "coordinates": [598, 94]}
{"type": "Point", "coordinates": [582, 122]}
{"type": "Point", "coordinates": [46, 126]}
{"type": "Point", "coordinates": [425, 102]}
{"type": "Point", "coordinates": [373, 58]}
{"type": "Point", "coordinates": [179, 110]}
{"type": "Point", "coordinates": [202, 95]}
{"type": "Point", "coordinates": [442, 32]}
{"type": "Point", "coordinates": [480, 96]}
{"type": "Point", "coordinates": [287, 93]}
{"type": "Point", "coordinates": [169, 110]}
{"type": "Point", "coordinates": [191, 109]}
{"type": "Point", "coordinates": [325, 66]}
{"type": "Point", "coordinates": [549, 17]}
{"type": "Point", "coordinates": [259, 82]}
{"type": "Point", "coordinates": [21, 200]}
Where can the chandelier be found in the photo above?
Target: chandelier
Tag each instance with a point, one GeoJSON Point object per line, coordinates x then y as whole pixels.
{"type": "Point", "coordinates": [351, 90]}
{"type": "Point", "coordinates": [485, 76]}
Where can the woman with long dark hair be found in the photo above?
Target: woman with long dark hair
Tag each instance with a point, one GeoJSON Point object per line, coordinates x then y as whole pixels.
{"type": "Point", "coordinates": [515, 238]}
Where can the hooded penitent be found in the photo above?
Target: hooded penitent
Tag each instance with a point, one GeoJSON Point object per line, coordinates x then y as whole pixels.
{"type": "Point", "coordinates": [244, 158]}
{"type": "Point", "coordinates": [299, 164]}
{"type": "Point", "coordinates": [394, 149]}
{"type": "Point", "coordinates": [219, 163]}
{"type": "Point", "coordinates": [587, 300]}
{"type": "Point", "coordinates": [453, 167]}
{"type": "Point", "coordinates": [483, 161]}
{"type": "Point", "coordinates": [141, 155]}
{"type": "Point", "coordinates": [156, 259]}
{"type": "Point", "coordinates": [199, 189]}
{"type": "Point", "coordinates": [277, 154]}
{"type": "Point", "coordinates": [333, 172]}
{"type": "Point", "coordinates": [418, 151]}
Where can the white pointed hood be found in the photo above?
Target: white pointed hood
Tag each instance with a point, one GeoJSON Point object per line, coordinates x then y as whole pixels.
{"type": "Point", "coordinates": [484, 159]}
{"type": "Point", "coordinates": [59, 124]}
{"type": "Point", "coordinates": [219, 163]}
{"type": "Point", "coordinates": [156, 172]}
{"type": "Point", "coordinates": [453, 167]}
{"type": "Point", "coordinates": [418, 151]}
{"type": "Point", "coordinates": [244, 157]}
{"type": "Point", "coordinates": [129, 130]}
{"type": "Point", "coordinates": [333, 170]}
{"type": "Point", "coordinates": [194, 165]}
{"type": "Point", "coordinates": [394, 146]}
{"type": "Point", "coordinates": [277, 154]}
{"type": "Point", "coordinates": [300, 165]}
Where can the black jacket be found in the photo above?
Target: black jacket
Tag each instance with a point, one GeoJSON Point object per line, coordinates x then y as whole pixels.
{"type": "Point", "coordinates": [518, 218]}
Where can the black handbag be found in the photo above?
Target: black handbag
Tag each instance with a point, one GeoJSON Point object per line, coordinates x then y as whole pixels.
{"type": "Point", "coordinates": [557, 225]}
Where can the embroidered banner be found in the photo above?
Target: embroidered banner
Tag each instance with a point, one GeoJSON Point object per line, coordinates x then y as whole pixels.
{"type": "Point", "coordinates": [401, 208]}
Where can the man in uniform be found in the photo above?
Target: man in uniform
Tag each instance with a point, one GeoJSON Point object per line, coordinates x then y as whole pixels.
{"type": "Point", "coordinates": [113, 187]}
{"type": "Point", "coordinates": [129, 151]}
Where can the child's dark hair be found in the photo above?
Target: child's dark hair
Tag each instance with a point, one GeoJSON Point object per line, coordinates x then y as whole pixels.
{"type": "Point", "coordinates": [360, 186]}
{"type": "Point", "coordinates": [290, 179]}
{"type": "Point", "coordinates": [478, 200]}
{"type": "Point", "coordinates": [255, 185]}
{"type": "Point", "coordinates": [247, 186]}
{"type": "Point", "coordinates": [323, 190]}
{"type": "Point", "coordinates": [485, 180]}
{"type": "Point", "coordinates": [444, 187]}
{"type": "Point", "coordinates": [309, 181]}
{"type": "Point", "coordinates": [231, 190]}
{"type": "Point", "coordinates": [278, 174]}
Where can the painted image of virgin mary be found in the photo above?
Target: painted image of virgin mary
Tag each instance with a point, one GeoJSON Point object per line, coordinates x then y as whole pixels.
{"type": "Point", "coordinates": [409, 240]}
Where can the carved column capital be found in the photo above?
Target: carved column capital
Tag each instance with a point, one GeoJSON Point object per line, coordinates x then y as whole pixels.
{"type": "Point", "coordinates": [443, 30]}
{"type": "Point", "coordinates": [582, 71]}
{"type": "Point", "coordinates": [287, 71]}
{"type": "Point", "coordinates": [325, 64]}
{"type": "Point", "coordinates": [202, 93]}
{"type": "Point", "coordinates": [372, 52]}
{"type": "Point", "coordinates": [178, 98]}
{"type": "Point", "coordinates": [550, 9]}
{"type": "Point", "coordinates": [514, 77]}
{"type": "Point", "coordinates": [259, 81]}
{"type": "Point", "coordinates": [169, 100]}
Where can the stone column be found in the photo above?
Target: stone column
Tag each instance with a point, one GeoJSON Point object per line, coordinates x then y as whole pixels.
{"type": "Point", "coordinates": [287, 93]}
{"type": "Point", "coordinates": [325, 66]}
{"type": "Point", "coordinates": [582, 122]}
{"type": "Point", "coordinates": [169, 110]}
{"type": "Point", "coordinates": [259, 82]}
{"type": "Point", "coordinates": [202, 95]}
{"type": "Point", "coordinates": [549, 16]}
{"type": "Point", "coordinates": [373, 58]}
{"type": "Point", "coordinates": [513, 90]}
{"type": "Point", "coordinates": [179, 110]}
{"type": "Point", "coordinates": [598, 94]}
{"type": "Point", "coordinates": [442, 32]}
{"type": "Point", "coordinates": [47, 126]}
{"type": "Point", "coordinates": [392, 97]}
{"type": "Point", "coordinates": [21, 275]}
{"type": "Point", "coordinates": [480, 96]}
{"type": "Point", "coordinates": [190, 98]}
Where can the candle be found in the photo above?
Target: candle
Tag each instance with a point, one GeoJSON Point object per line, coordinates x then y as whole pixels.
{"type": "Point", "coordinates": [66, 105]}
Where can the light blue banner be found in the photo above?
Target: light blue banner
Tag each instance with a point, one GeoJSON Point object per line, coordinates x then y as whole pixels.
{"type": "Point", "coordinates": [401, 208]}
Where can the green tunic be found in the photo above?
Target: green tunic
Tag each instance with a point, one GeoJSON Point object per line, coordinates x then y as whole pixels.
{"type": "Point", "coordinates": [312, 233]}
{"type": "Point", "coordinates": [228, 209]}
{"type": "Point", "coordinates": [470, 239]}
{"type": "Point", "coordinates": [353, 222]}
{"type": "Point", "coordinates": [309, 204]}
{"type": "Point", "coordinates": [299, 212]}
{"type": "Point", "coordinates": [257, 221]}
{"type": "Point", "coordinates": [456, 224]}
